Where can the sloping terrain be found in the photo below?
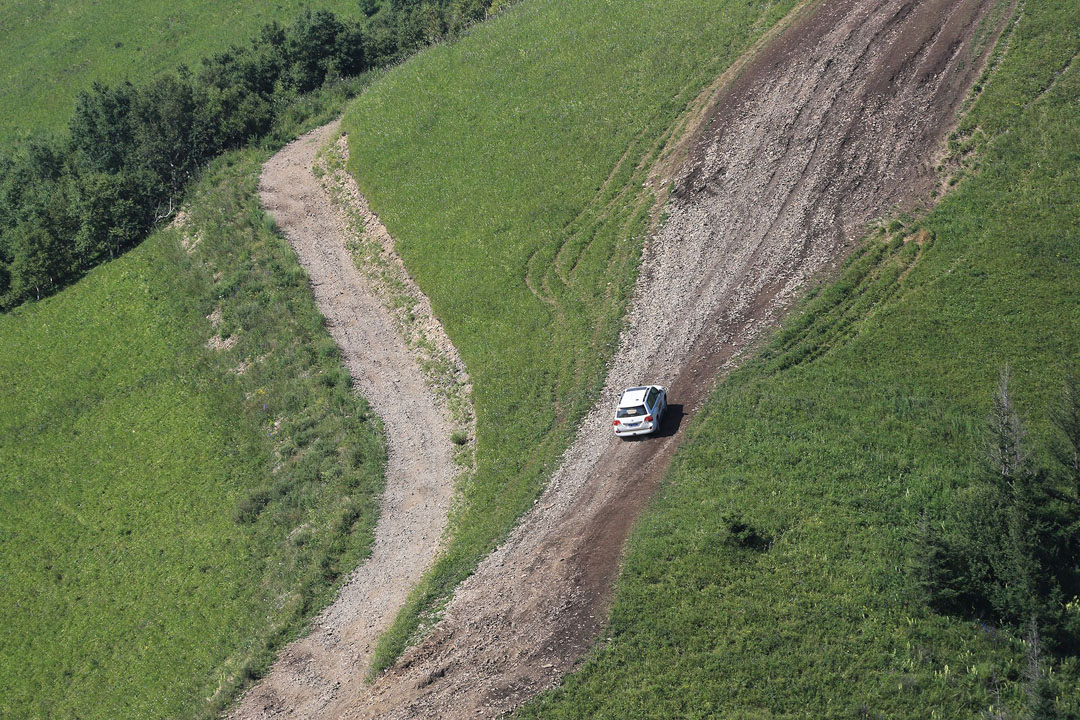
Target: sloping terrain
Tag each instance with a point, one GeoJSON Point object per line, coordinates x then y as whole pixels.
{"type": "Point", "coordinates": [51, 52]}
{"type": "Point", "coordinates": [511, 169]}
{"type": "Point", "coordinates": [777, 575]}
{"type": "Point", "coordinates": [185, 470]}
{"type": "Point", "coordinates": [420, 467]}
{"type": "Point", "coordinates": [833, 124]}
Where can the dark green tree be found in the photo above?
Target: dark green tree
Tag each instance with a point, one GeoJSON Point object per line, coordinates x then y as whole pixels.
{"type": "Point", "coordinates": [172, 137]}
{"type": "Point", "coordinates": [113, 214]}
{"type": "Point", "coordinates": [318, 45]}
{"type": "Point", "coordinates": [38, 263]}
{"type": "Point", "coordinates": [29, 181]}
{"type": "Point", "coordinates": [1037, 686]}
{"type": "Point", "coordinates": [1010, 556]}
{"type": "Point", "coordinates": [101, 131]}
{"type": "Point", "coordinates": [463, 13]}
{"type": "Point", "coordinates": [1066, 418]}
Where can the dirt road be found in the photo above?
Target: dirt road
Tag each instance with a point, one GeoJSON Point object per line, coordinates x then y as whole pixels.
{"type": "Point", "coordinates": [420, 471]}
{"type": "Point", "coordinates": [833, 124]}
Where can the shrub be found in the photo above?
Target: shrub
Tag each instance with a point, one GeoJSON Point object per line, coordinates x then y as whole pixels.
{"type": "Point", "coordinates": [249, 507]}
{"type": "Point", "coordinates": [739, 533]}
{"type": "Point", "coordinates": [130, 151]}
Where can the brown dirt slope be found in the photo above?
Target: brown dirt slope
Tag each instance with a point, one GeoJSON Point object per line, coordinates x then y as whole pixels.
{"type": "Point", "coordinates": [834, 123]}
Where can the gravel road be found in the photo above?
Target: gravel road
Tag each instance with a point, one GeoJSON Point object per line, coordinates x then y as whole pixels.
{"type": "Point", "coordinates": [420, 472]}
{"type": "Point", "coordinates": [832, 124]}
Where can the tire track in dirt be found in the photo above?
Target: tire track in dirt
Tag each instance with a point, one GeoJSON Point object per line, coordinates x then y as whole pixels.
{"type": "Point", "coordinates": [333, 659]}
{"type": "Point", "coordinates": [831, 125]}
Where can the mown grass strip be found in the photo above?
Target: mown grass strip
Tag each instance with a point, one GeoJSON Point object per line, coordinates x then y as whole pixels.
{"type": "Point", "coordinates": [171, 513]}
{"type": "Point", "coordinates": [509, 169]}
{"type": "Point", "coordinates": [866, 409]}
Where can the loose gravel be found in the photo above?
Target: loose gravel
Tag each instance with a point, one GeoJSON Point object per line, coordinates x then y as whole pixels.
{"type": "Point", "coordinates": [333, 659]}
{"type": "Point", "coordinates": [832, 124]}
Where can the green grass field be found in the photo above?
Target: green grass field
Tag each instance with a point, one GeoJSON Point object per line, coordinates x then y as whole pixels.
{"type": "Point", "coordinates": [167, 520]}
{"type": "Point", "coordinates": [868, 407]}
{"type": "Point", "coordinates": [506, 166]}
{"type": "Point", "coordinates": [171, 513]}
{"type": "Point", "coordinates": [49, 52]}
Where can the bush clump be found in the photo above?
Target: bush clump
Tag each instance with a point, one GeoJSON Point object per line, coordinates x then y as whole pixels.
{"type": "Point", "coordinates": [249, 507]}
{"type": "Point", "coordinates": [739, 533]}
{"type": "Point", "coordinates": [69, 203]}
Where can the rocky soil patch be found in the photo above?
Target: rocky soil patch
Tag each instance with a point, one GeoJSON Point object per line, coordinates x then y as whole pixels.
{"type": "Point", "coordinates": [833, 123]}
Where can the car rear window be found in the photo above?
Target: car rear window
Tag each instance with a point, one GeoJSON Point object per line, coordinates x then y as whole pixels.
{"type": "Point", "coordinates": [630, 411]}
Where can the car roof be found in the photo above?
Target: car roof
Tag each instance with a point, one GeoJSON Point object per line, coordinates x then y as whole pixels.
{"type": "Point", "coordinates": [633, 396]}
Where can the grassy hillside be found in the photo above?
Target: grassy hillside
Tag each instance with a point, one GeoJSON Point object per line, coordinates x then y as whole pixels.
{"type": "Point", "coordinates": [506, 166]}
{"type": "Point", "coordinates": [868, 408]}
{"type": "Point", "coordinates": [49, 52]}
{"type": "Point", "coordinates": [171, 511]}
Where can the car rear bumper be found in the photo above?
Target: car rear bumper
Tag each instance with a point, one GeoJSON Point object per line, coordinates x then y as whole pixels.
{"type": "Point", "coordinates": [644, 429]}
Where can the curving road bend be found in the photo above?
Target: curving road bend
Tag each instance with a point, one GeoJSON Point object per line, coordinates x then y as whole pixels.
{"type": "Point", "coordinates": [333, 659]}
{"type": "Point", "coordinates": [832, 124]}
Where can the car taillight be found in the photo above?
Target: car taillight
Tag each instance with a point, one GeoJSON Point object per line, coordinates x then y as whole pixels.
{"type": "Point", "coordinates": [648, 418]}
{"type": "Point", "coordinates": [615, 422]}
